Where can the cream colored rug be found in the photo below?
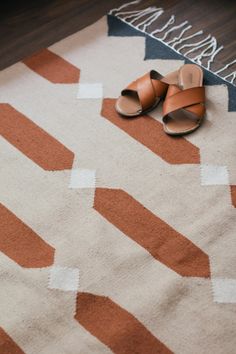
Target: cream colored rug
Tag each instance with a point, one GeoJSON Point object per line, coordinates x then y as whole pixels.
{"type": "Point", "coordinates": [114, 237]}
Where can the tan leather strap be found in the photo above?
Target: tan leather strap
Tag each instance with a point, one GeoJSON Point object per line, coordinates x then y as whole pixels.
{"type": "Point", "coordinates": [178, 99]}
{"type": "Point", "coordinates": [145, 91]}
{"type": "Point", "coordinates": [148, 88]}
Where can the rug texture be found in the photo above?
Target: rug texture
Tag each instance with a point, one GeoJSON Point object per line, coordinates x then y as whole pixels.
{"type": "Point", "coordinates": [114, 237]}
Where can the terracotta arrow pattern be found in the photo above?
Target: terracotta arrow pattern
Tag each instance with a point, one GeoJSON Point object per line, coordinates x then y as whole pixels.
{"type": "Point", "coordinates": [33, 141]}
{"type": "Point", "coordinates": [163, 242]}
{"type": "Point", "coordinates": [20, 243]}
{"type": "Point", "coordinates": [52, 67]}
{"type": "Point", "coordinates": [126, 334]}
{"type": "Point", "coordinates": [7, 344]}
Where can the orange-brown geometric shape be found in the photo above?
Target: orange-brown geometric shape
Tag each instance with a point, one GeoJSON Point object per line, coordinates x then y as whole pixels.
{"type": "Point", "coordinates": [52, 67]}
{"type": "Point", "coordinates": [149, 132]}
{"type": "Point", "coordinates": [33, 141]}
{"type": "Point", "coordinates": [7, 344]}
{"type": "Point", "coordinates": [20, 243]}
{"type": "Point", "coordinates": [116, 327]}
{"type": "Point", "coordinates": [162, 241]}
{"type": "Point", "coordinates": [233, 195]}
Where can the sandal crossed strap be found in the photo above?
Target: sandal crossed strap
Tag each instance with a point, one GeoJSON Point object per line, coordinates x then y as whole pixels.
{"type": "Point", "coordinates": [183, 109]}
{"type": "Point", "coordinates": [142, 94]}
{"type": "Point", "coordinates": [184, 105]}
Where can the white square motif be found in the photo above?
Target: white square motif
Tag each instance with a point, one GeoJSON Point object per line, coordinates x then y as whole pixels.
{"type": "Point", "coordinates": [63, 278]}
{"type": "Point", "coordinates": [224, 290]}
{"type": "Point", "coordinates": [214, 175]}
{"type": "Point", "coordinates": [82, 178]}
{"type": "Point", "coordinates": [94, 90]}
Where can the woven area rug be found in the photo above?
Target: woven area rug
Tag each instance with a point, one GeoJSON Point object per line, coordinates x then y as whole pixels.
{"type": "Point", "coordinates": [114, 237]}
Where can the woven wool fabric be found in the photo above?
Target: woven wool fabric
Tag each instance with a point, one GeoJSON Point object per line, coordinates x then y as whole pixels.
{"type": "Point", "coordinates": [114, 237]}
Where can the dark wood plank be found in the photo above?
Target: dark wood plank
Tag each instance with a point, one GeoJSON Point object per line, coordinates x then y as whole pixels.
{"type": "Point", "coordinates": [215, 17]}
{"type": "Point", "coordinates": [27, 26]}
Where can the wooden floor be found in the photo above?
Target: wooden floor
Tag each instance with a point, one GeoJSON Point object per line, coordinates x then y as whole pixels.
{"type": "Point", "coordinates": [27, 26]}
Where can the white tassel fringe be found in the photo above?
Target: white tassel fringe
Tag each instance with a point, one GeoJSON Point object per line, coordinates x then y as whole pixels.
{"type": "Point", "coordinates": [206, 48]}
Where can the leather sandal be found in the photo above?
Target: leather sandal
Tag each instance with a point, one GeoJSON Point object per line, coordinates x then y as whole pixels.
{"type": "Point", "coordinates": [184, 108]}
{"type": "Point", "coordinates": [144, 94]}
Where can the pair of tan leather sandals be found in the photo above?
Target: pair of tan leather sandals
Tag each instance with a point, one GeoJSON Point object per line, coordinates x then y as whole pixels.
{"type": "Point", "coordinates": [183, 93]}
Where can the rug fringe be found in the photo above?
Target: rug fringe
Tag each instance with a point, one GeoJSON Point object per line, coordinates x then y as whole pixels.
{"type": "Point", "coordinates": [202, 52]}
{"type": "Point", "coordinates": [179, 38]}
{"type": "Point", "coordinates": [124, 6]}
{"type": "Point", "coordinates": [186, 38]}
{"type": "Point", "coordinates": [233, 73]}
